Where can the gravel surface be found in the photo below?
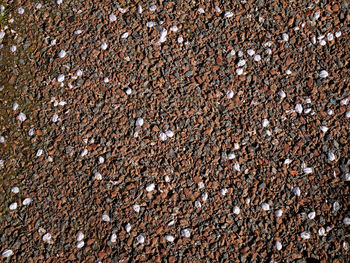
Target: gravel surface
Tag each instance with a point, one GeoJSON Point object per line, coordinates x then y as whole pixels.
{"type": "Point", "coordinates": [174, 131]}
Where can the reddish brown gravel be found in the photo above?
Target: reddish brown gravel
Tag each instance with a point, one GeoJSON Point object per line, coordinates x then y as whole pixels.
{"type": "Point", "coordinates": [174, 131]}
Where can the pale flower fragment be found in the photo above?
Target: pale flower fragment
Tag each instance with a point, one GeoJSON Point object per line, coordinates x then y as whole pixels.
{"type": "Point", "coordinates": [282, 94]}
{"type": "Point", "coordinates": [231, 156]}
{"type": "Point", "coordinates": [265, 123]}
{"type": "Point", "coordinates": [229, 94]}
{"type": "Point", "coordinates": [321, 231]}
{"type": "Point", "coordinates": [163, 34]}
{"type": "Point", "coordinates": [13, 206]}
{"type": "Point", "coordinates": [296, 191]}
{"type": "Point", "coordinates": [22, 116]}
{"type": "Point", "coordinates": [136, 208]}
{"type": "Point", "coordinates": [62, 54]}
{"type": "Point", "coordinates": [113, 238]}
{"type": "Point", "coordinates": [237, 167]}
{"type": "Point", "coordinates": [323, 74]}
{"type": "Point", "coordinates": [2, 139]}
{"type": "Point", "coordinates": [139, 122]}
{"type": "Point", "coordinates": [346, 220]}
{"type": "Point", "coordinates": [236, 210]}
{"type": "Point", "coordinates": [150, 187]}
{"type": "Point", "coordinates": [15, 190]}
{"type": "Point", "coordinates": [311, 215]}
{"type": "Point", "coordinates": [223, 191]}
{"type": "Point", "coordinates": [39, 152]}
{"type": "Point", "coordinates": [47, 237]}
{"type": "Point", "coordinates": [27, 201]}
{"type": "Point", "coordinates": [60, 78]}
{"type": "Point", "coordinates": [125, 35]}
{"type": "Point", "coordinates": [98, 176]}
{"type": "Point", "coordinates": [106, 218]}
{"type": "Point", "coordinates": [112, 18]}
{"type": "Point", "coordinates": [285, 37]}
{"type": "Point", "coordinates": [299, 108]}
{"type": "Point", "coordinates": [104, 46]}
{"type": "Point", "coordinates": [324, 129]}
{"type": "Point", "coordinates": [337, 34]}
{"type": "Point", "coordinates": [169, 134]}
{"type": "Point", "coordinates": [169, 238]}
{"type": "Point", "coordinates": [278, 245]}
{"type": "Point", "coordinates": [305, 235]}
{"type": "Point", "coordinates": [331, 156]}
{"type": "Point", "coordinates": [228, 14]}
{"type": "Point", "coordinates": [54, 118]}
{"type": "Point", "coordinates": [7, 253]}
{"type": "Point", "coordinates": [239, 71]}
{"type": "Point", "coordinates": [84, 152]}
{"type": "Point", "coordinates": [80, 236]}
{"type": "Point", "coordinates": [185, 233]}
{"type": "Point", "coordinates": [128, 228]}
{"type": "Point", "coordinates": [265, 206]}
{"type": "Point", "coordinates": [80, 244]}
{"type": "Point", "coordinates": [278, 213]}
{"type": "Point", "coordinates": [140, 239]}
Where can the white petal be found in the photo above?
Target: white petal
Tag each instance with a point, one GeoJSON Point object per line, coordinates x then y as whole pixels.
{"type": "Point", "coordinates": [185, 233]}
{"type": "Point", "coordinates": [169, 238]}
{"type": "Point", "coordinates": [7, 253]}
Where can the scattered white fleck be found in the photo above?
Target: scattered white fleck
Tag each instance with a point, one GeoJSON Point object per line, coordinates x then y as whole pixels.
{"type": "Point", "coordinates": [53, 42]}
{"type": "Point", "coordinates": [112, 17]}
{"type": "Point", "coordinates": [337, 34]}
{"type": "Point", "coordinates": [285, 37]}
{"type": "Point", "coordinates": [79, 73]}
{"type": "Point", "coordinates": [330, 112]}
{"type": "Point", "coordinates": [84, 152]}
{"type": "Point", "coordinates": [15, 190]}
{"type": "Point", "coordinates": [60, 78]}
{"type": "Point", "coordinates": [313, 40]}
{"type": "Point", "coordinates": [239, 71]}
{"type": "Point", "coordinates": [62, 54]}
{"type": "Point", "coordinates": [20, 11]}
{"type": "Point", "coordinates": [241, 63]}
{"type": "Point", "coordinates": [201, 10]}
{"type": "Point", "coordinates": [2, 139]}
{"type": "Point", "coordinates": [217, 9]}
{"type": "Point", "coordinates": [7, 253]}
{"type": "Point", "coordinates": [201, 185]}
{"type": "Point", "coordinates": [125, 35]}
{"type": "Point", "coordinates": [128, 91]}
{"type": "Point", "coordinates": [347, 177]}
{"type": "Point", "coordinates": [305, 235]}
{"type": "Point", "coordinates": [47, 237]}
{"type": "Point", "coordinates": [169, 238]}
{"type": "Point", "coordinates": [140, 239]}
{"type": "Point", "coordinates": [185, 233]}
{"type": "Point", "coordinates": [331, 156]}
{"type": "Point", "coordinates": [323, 74]}
{"type": "Point", "coordinates": [31, 132]}
{"type": "Point", "coordinates": [136, 208]}
{"type": "Point", "coordinates": [229, 94]}
{"type": "Point", "coordinates": [106, 80]}
{"type": "Point", "coordinates": [180, 39]}
{"type": "Point", "coordinates": [78, 31]}
{"type": "Point", "coordinates": [317, 15]}
{"type": "Point", "coordinates": [104, 46]}
{"type": "Point", "coordinates": [38, 6]}
{"type": "Point", "coordinates": [257, 58]}
{"type": "Point", "coordinates": [150, 24]}
{"type": "Point", "coordinates": [345, 246]}
{"type": "Point", "coordinates": [15, 106]}
{"type": "Point", "coordinates": [167, 179]}
{"type": "Point", "coordinates": [268, 51]}
{"type": "Point", "coordinates": [298, 108]}
{"type": "Point", "coordinates": [282, 93]}
{"type": "Point", "coordinates": [80, 244]}
{"type": "Point", "coordinates": [236, 146]}
{"type": "Point", "coordinates": [59, 2]}
{"type": "Point", "coordinates": [128, 227]}
{"type": "Point", "coordinates": [265, 123]}
{"type": "Point", "coordinates": [236, 210]}
{"type": "Point", "coordinates": [13, 206]}
{"type": "Point", "coordinates": [2, 34]}
{"type": "Point", "coordinates": [27, 201]}
{"type": "Point", "coordinates": [247, 200]}
{"type": "Point", "coordinates": [344, 102]}
{"type": "Point", "coordinates": [150, 187]}
{"type": "Point", "coordinates": [296, 191]}
{"type": "Point", "coordinates": [153, 8]}
{"type": "Point", "coordinates": [13, 48]}
{"type": "Point", "coordinates": [336, 207]}
{"type": "Point", "coordinates": [204, 197]}
{"type": "Point", "coordinates": [163, 34]}
{"type": "Point", "coordinates": [231, 156]}
{"type": "Point", "coordinates": [250, 52]}
{"type": "Point", "coordinates": [330, 36]}
{"type": "Point", "coordinates": [106, 218]}
{"type": "Point", "coordinates": [139, 122]}
{"type": "Point", "coordinates": [169, 134]}
{"type": "Point", "coordinates": [171, 223]}
{"type": "Point", "coordinates": [97, 176]}
{"type": "Point", "coordinates": [228, 14]}
{"type": "Point", "coordinates": [308, 170]}
{"type": "Point", "coordinates": [22, 116]}
{"type": "Point", "coordinates": [54, 118]}
{"type": "Point", "coordinates": [322, 42]}
{"type": "Point", "coordinates": [80, 236]}
{"type": "Point", "coordinates": [311, 215]}
{"type": "Point", "coordinates": [101, 159]}
{"type": "Point", "coordinates": [307, 111]}
{"type": "Point", "coordinates": [237, 167]}
{"type": "Point", "coordinates": [265, 206]}
{"type": "Point", "coordinates": [139, 9]}
{"type": "Point", "coordinates": [39, 152]}
{"type": "Point", "coordinates": [197, 204]}
{"type": "Point", "coordinates": [278, 213]}
{"type": "Point", "coordinates": [113, 238]}
{"type": "Point", "coordinates": [321, 231]}
{"type": "Point", "coordinates": [346, 221]}
{"type": "Point", "coordinates": [223, 191]}
{"type": "Point", "coordinates": [121, 10]}
{"type": "Point", "coordinates": [324, 129]}
{"type": "Point", "coordinates": [288, 161]}
{"type": "Point", "coordinates": [278, 245]}
{"type": "Point", "coordinates": [174, 28]}
{"type": "Point", "coordinates": [288, 72]}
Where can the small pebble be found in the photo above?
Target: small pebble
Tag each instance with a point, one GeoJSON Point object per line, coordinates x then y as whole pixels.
{"type": "Point", "coordinates": [236, 210]}
{"type": "Point", "coordinates": [106, 218]}
{"type": "Point", "coordinates": [47, 237]}
{"type": "Point", "coordinates": [346, 221]}
{"type": "Point", "coordinates": [229, 94]}
{"type": "Point", "coordinates": [112, 18]}
{"type": "Point", "coordinates": [185, 233]}
{"type": "Point", "coordinates": [140, 239]}
{"type": "Point", "coordinates": [278, 213]}
{"type": "Point", "coordinates": [15, 190]}
{"type": "Point", "coordinates": [7, 253]}
{"type": "Point", "coordinates": [305, 235]}
{"type": "Point", "coordinates": [321, 231]}
{"type": "Point", "coordinates": [80, 236]}
{"type": "Point", "coordinates": [265, 206]}
{"type": "Point", "coordinates": [311, 215]}
{"type": "Point", "coordinates": [113, 238]}
{"type": "Point", "coordinates": [136, 208]}
{"type": "Point", "coordinates": [128, 228]}
{"type": "Point", "coordinates": [150, 187]}
{"type": "Point", "coordinates": [104, 46]}
{"type": "Point", "coordinates": [265, 123]}
{"type": "Point", "coordinates": [60, 78]}
{"type": "Point", "coordinates": [27, 201]}
{"type": "Point", "coordinates": [62, 54]}
{"type": "Point", "coordinates": [323, 74]}
{"type": "Point", "coordinates": [278, 245]}
{"type": "Point", "coordinates": [80, 244]}
{"type": "Point", "coordinates": [13, 206]}
{"type": "Point", "coordinates": [169, 238]}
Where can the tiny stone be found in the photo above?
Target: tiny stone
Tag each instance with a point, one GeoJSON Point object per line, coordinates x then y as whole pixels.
{"type": "Point", "coordinates": [7, 253]}
{"type": "Point", "coordinates": [140, 239]}
{"type": "Point", "coordinates": [236, 210]}
{"type": "Point", "coordinates": [113, 238]}
{"type": "Point", "coordinates": [13, 206]}
{"type": "Point", "coordinates": [346, 221]}
{"type": "Point", "coordinates": [185, 233]}
{"type": "Point", "coordinates": [169, 238]}
{"type": "Point", "coordinates": [80, 244]}
{"type": "Point", "coordinates": [150, 187]}
{"type": "Point", "coordinates": [128, 228]}
{"type": "Point", "coordinates": [321, 231]}
{"type": "Point", "coordinates": [278, 213]}
{"type": "Point", "coordinates": [22, 116]}
{"type": "Point", "coordinates": [305, 235]}
{"type": "Point", "coordinates": [106, 218]}
{"type": "Point", "coordinates": [323, 74]}
{"type": "Point", "coordinates": [27, 201]}
{"type": "Point", "coordinates": [311, 215]}
{"type": "Point", "coordinates": [265, 206]}
{"type": "Point", "coordinates": [278, 245]}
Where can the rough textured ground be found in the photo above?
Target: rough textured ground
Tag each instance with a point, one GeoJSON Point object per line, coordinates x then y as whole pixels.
{"type": "Point", "coordinates": [174, 131]}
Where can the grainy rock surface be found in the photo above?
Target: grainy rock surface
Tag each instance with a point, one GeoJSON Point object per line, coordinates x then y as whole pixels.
{"type": "Point", "coordinates": [174, 131]}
